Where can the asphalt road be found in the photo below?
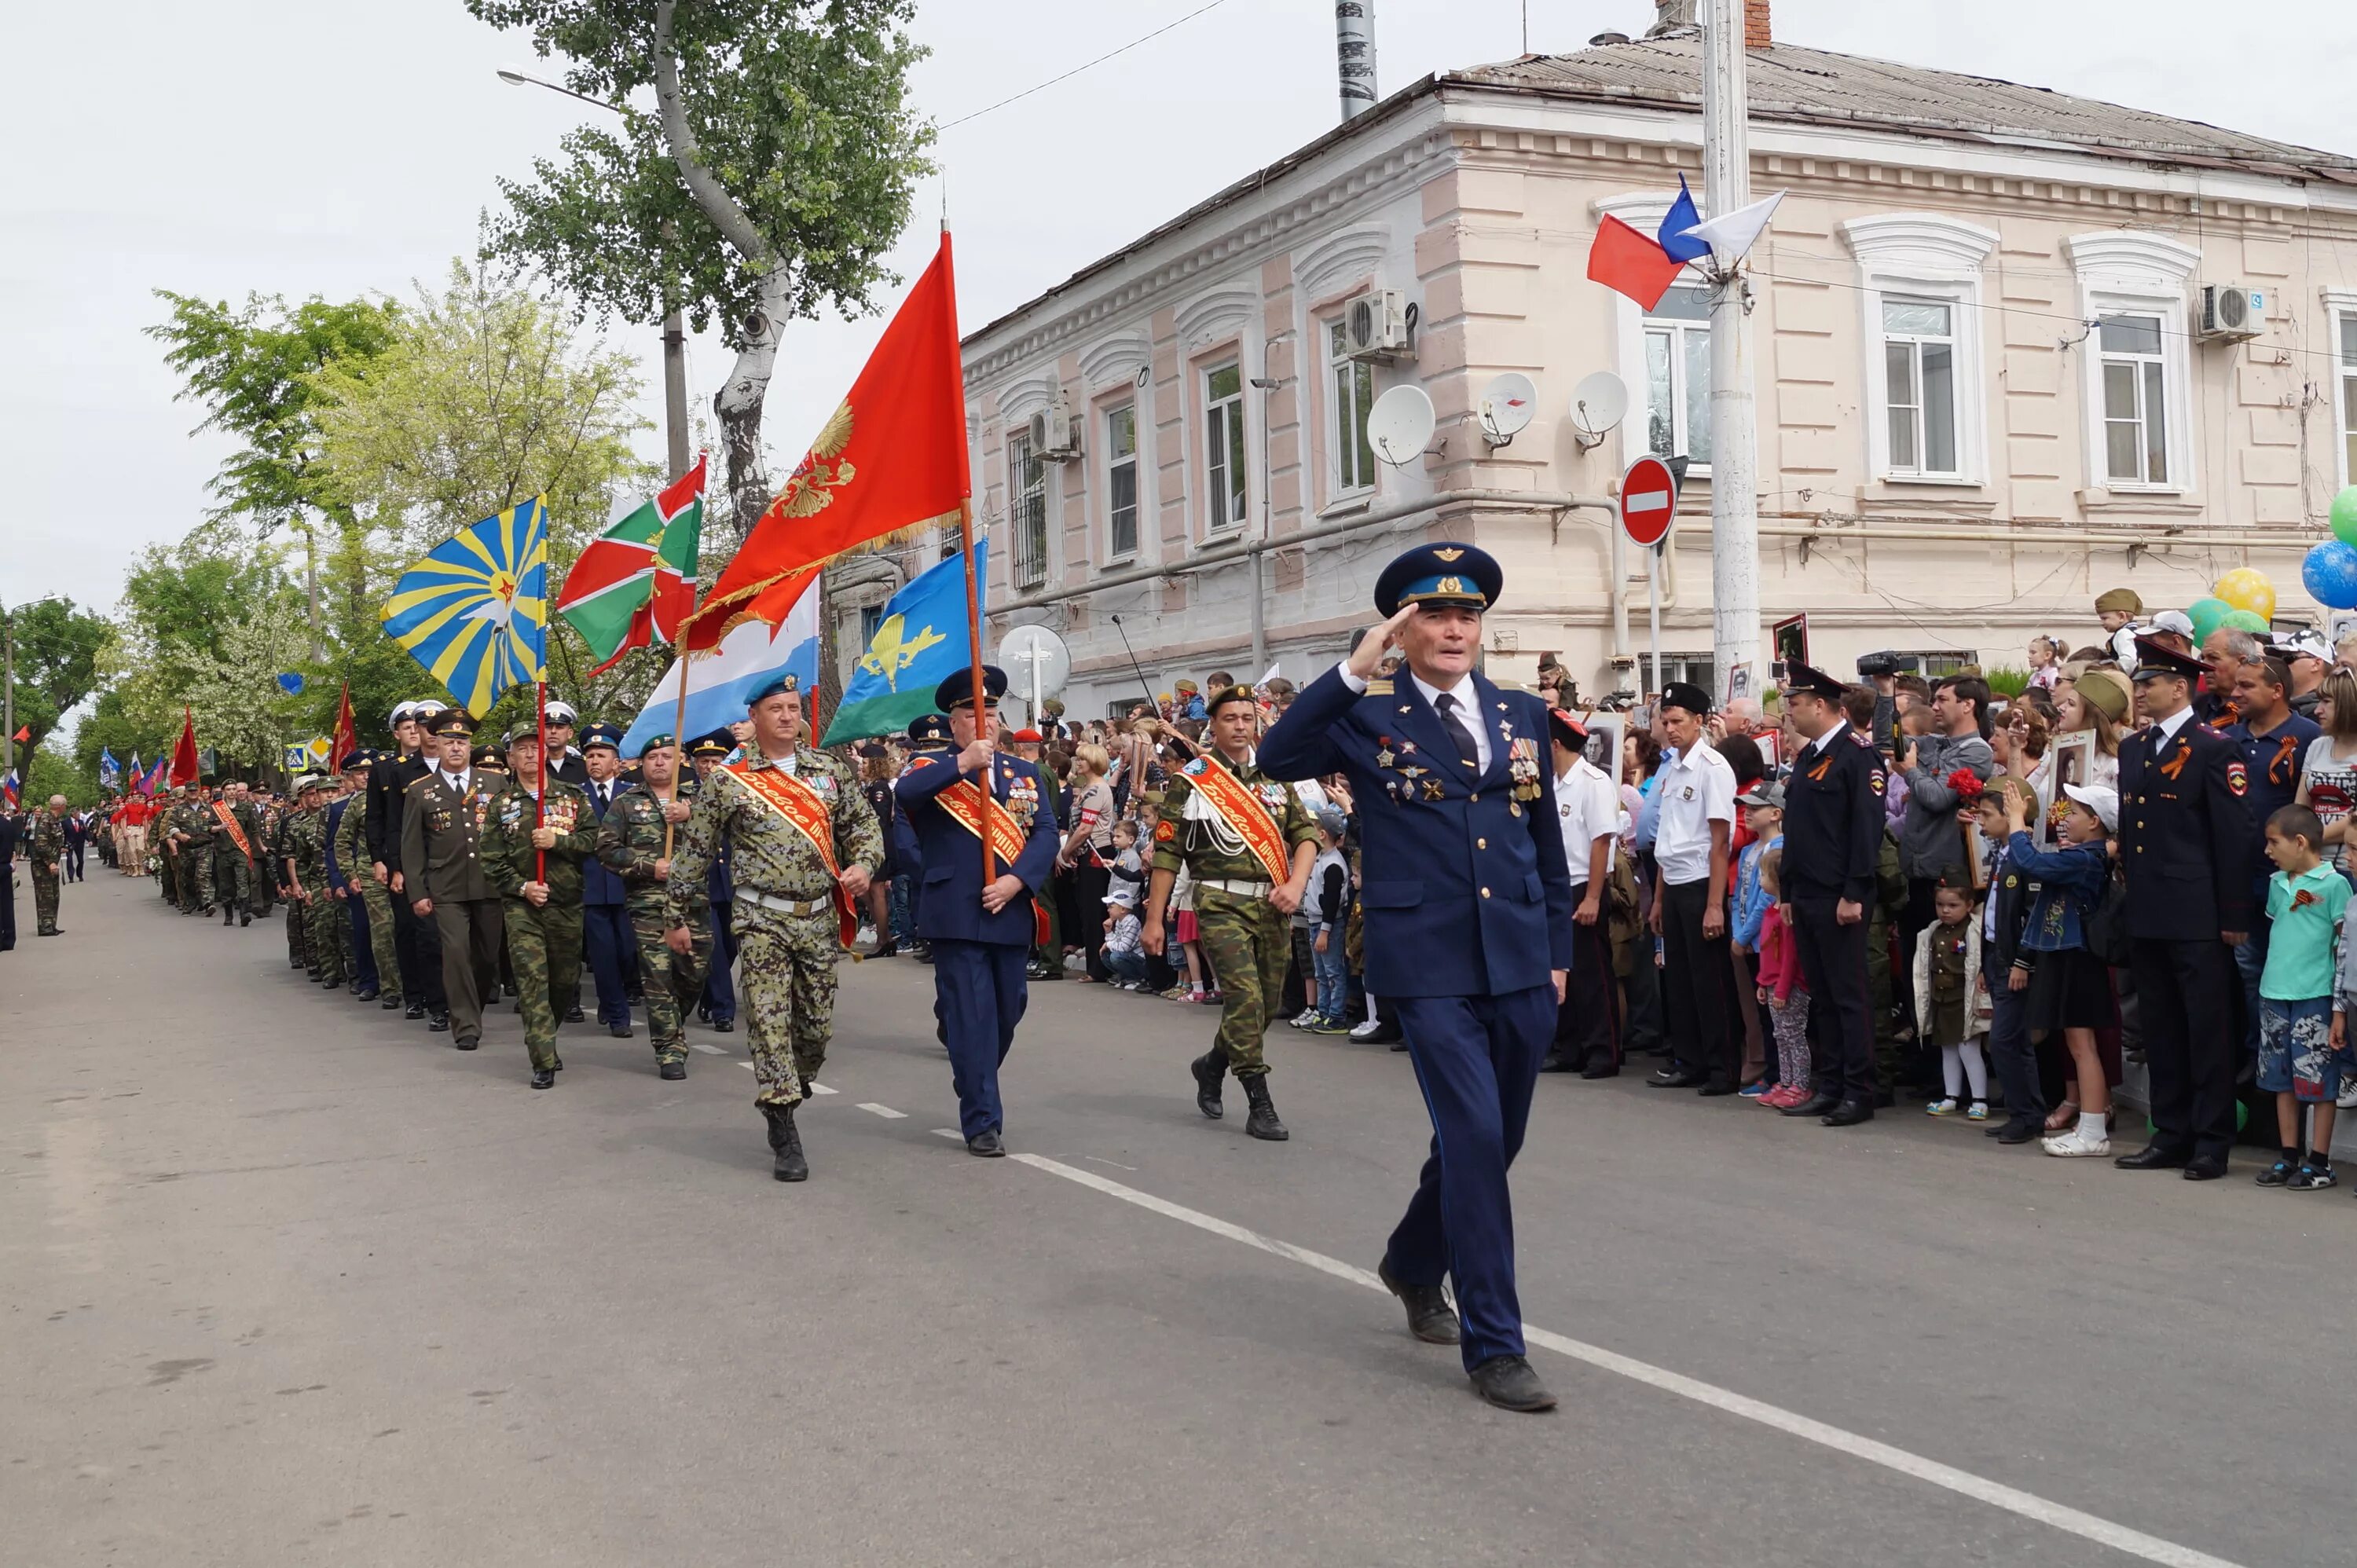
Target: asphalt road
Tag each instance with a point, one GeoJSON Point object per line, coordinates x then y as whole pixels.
{"type": "Point", "coordinates": [285, 1280]}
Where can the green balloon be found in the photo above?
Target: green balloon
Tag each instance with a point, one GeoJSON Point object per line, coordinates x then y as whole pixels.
{"type": "Point", "coordinates": [2245, 620]}
{"type": "Point", "coordinates": [2207, 616]}
{"type": "Point", "coordinates": [2344, 515]}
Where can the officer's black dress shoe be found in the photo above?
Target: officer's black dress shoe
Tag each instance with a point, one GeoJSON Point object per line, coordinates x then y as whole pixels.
{"type": "Point", "coordinates": [544, 1077]}
{"type": "Point", "coordinates": [1851, 1113]}
{"type": "Point", "coordinates": [365, 993]}
{"type": "Point", "coordinates": [1209, 1069]}
{"type": "Point", "coordinates": [619, 1028]}
{"type": "Point", "coordinates": [439, 1023]}
{"type": "Point", "coordinates": [1600, 1069]}
{"type": "Point", "coordinates": [1715, 1090]}
{"type": "Point", "coordinates": [388, 1001]}
{"type": "Point", "coordinates": [1670, 1078]}
{"type": "Point", "coordinates": [673, 1071]}
{"type": "Point", "coordinates": [2151, 1157]}
{"type": "Point", "coordinates": [414, 1011]}
{"type": "Point", "coordinates": [1817, 1104]}
{"type": "Point", "coordinates": [1507, 1382]}
{"type": "Point", "coordinates": [986, 1145]}
{"type": "Point", "coordinates": [2205, 1167]}
{"type": "Point", "coordinates": [1556, 1062]}
{"type": "Point", "coordinates": [1430, 1316]}
{"type": "Point", "coordinates": [467, 1042]}
{"type": "Point", "coordinates": [574, 1014]}
{"type": "Point", "coordinates": [2018, 1131]}
{"type": "Point", "coordinates": [724, 1025]}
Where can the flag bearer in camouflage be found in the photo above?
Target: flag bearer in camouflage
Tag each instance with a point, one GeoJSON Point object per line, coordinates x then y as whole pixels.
{"type": "Point", "coordinates": [375, 898]}
{"type": "Point", "coordinates": [537, 872]}
{"type": "Point", "coordinates": [306, 846]}
{"type": "Point", "coordinates": [47, 847]}
{"type": "Point", "coordinates": [1248, 841]}
{"type": "Point", "coordinates": [631, 845]}
{"type": "Point", "coordinates": [233, 867]}
{"type": "Point", "coordinates": [800, 840]}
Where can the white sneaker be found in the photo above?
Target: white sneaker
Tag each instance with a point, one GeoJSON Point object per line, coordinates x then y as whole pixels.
{"type": "Point", "coordinates": [1941, 1106]}
{"type": "Point", "coordinates": [2347, 1099]}
{"type": "Point", "coordinates": [865, 934]}
{"type": "Point", "coordinates": [1368, 1030]}
{"type": "Point", "coordinates": [2076, 1145]}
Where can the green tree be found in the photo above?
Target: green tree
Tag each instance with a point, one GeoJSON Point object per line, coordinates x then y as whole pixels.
{"type": "Point", "coordinates": [776, 173]}
{"type": "Point", "coordinates": [50, 776]}
{"type": "Point", "coordinates": [57, 650]}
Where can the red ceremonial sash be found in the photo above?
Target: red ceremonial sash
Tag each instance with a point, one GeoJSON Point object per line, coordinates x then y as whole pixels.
{"type": "Point", "coordinates": [1245, 813]}
{"type": "Point", "coordinates": [964, 801]}
{"type": "Point", "coordinates": [236, 834]}
{"type": "Point", "coordinates": [802, 806]}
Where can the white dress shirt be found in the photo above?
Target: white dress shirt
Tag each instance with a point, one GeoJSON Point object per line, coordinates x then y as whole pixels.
{"type": "Point", "coordinates": [1465, 694]}
{"type": "Point", "coordinates": [1827, 739]}
{"type": "Point", "coordinates": [1696, 790]}
{"type": "Point", "coordinates": [2165, 730]}
{"type": "Point", "coordinates": [1588, 804]}
{"type": "Point", "coordinates": [458, 782]}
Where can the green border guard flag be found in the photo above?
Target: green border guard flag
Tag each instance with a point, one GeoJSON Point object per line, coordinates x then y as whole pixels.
{"type": "Point", "coordinates": [920, 641]}
{"type": "Point", "coordinates": [635, 581]}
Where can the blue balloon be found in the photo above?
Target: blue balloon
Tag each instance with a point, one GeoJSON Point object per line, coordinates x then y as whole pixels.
{"type": "Point", "coordinates": [291, 683]}
{"type": "Point", "coordinates": [2329, 574]}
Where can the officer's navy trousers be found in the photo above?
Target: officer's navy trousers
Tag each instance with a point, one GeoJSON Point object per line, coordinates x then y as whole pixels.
{"type": "Point", "coordinates": [719, 987]}
{"type": "Point", "coordinates": [1833, 961]}
{"type": "Point", "coordinates": [2185, 1008]}
{"type": "Point", "coordinates": [1477, 1059]}
{"type": "Point", "coordinates": [363, 952]}
{"type": "Point", "coordinates": [606, 935]}
{"type": "Point", "coordinates": [979, 995]}
{"type": "Point", "coordinates": [418, 949]}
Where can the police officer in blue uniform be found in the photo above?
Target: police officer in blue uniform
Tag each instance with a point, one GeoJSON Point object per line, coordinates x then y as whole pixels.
{"type": "Point", "coordinates": [1832, 837]}
{"type": "Point", "coordinates": [928, 733]}
{"type": "Point", "coordinates": [718, 1006]}
{"type": "Point", "coordinates": [1468, 919]}
{"type": "Point", "coordinates": [980, 933]}
{"type": "Point", "coordinates": [2185, 843]}
{"type": "Point", "coordinates": [606, 940]}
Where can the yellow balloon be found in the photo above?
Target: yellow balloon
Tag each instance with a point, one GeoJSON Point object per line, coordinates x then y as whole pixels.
{"type": "Point", "coordinates": [2247, 588]}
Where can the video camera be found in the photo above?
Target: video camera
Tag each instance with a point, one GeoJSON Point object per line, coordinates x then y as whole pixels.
{"type": "Point", "coordinates": [1871, 666]}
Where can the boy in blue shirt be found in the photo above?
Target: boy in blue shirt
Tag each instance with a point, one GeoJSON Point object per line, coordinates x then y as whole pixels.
{"type": "Point", "coordinates": [2303, 1038]}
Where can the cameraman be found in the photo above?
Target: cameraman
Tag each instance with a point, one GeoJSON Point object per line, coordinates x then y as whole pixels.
{"type": "Point", "coordinates": [1881, 671]}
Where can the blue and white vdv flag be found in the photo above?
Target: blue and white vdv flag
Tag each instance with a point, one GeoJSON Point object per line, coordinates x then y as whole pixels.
{"type": "Point", "coordinates": [110, 772]}
{"type": "Point", "coordinates": [719, 681]}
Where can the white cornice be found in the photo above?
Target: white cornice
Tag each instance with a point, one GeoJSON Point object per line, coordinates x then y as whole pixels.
{"type": "Point", "coordinates": [2132, 259]}
{"type": "Point", "coordinates": [1919, 243]}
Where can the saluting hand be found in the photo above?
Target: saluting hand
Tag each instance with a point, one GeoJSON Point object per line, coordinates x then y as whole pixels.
{"type": "Point", "coordinates": [1368, 656]}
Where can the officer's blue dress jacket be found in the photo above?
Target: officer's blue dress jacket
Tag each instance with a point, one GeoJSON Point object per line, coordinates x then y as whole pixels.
{"type": "Point", "coordinates": [719, 887]}
{"type": "Point", "coordinates": [2186, 834]}
{"type": "Point", "coordinates": [1465, 888]}
{"type": "Point", "coordinates": [951, 906]}
{"type": "Point", "coordinates": [601, 883]}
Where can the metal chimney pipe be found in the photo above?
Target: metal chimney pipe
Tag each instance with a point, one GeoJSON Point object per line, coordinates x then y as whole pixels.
{"type": "Point", "coordinates": [1354, 54]}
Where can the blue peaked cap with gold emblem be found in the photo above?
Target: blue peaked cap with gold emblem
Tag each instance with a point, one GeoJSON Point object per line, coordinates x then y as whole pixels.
{"type": "Point", "coordinates": [1441, 573]}
{"type": "Point", "coordinates": [957, 692]}
{"type": "Point", "coordinates": [929, 729]}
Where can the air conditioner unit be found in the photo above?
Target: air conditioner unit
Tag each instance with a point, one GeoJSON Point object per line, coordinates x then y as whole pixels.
{"type": "Point", "coordinates": [2230, 313]}
{"type": "Point", "coordinates": [1375, 328]}
{"type": "Point", "coordinates": [1055, 435]}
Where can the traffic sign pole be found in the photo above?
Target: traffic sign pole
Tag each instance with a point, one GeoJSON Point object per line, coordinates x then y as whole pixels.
{"type": "Point", "coordinates": [1654, 582]}
{"type": "Point", "coordinates": [1649, 510]}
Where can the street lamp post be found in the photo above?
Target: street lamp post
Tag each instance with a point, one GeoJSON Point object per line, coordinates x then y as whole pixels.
{"type": "Point", "coordinates": [674, 326]}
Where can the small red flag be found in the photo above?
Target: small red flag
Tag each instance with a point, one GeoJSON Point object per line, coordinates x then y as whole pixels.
{"type": "Point", "coordinates": [1629, 262]}
{"type": "Point", "coordinates": [24, 733]}
{"type": "Point", "coordinates": [185, 767]}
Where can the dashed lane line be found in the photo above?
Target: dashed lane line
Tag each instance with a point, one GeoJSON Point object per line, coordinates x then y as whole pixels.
{"type": "Point", "coordinates": [708, 1050]}
{"type": "Point", "coordinates": [885, 1111]}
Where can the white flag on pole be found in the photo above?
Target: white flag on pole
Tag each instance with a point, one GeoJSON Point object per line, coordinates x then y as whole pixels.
{"type": "Point", "coordinates": [1272, 673]}
{"type": "Point", "coordinates": [1731, 235]}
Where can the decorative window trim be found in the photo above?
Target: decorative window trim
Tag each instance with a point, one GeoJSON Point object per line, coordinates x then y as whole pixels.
{"type": "Point", "coordinates": [1328, 415]}
{"type": "Point", "coordinates": [1116, 360]}
{"type": "Point", "coordinates": [2127, 271]}
{"type": "Point", "coordinates": [1225, 353]}
{"type": "Point", "coordinates": [1342, 261]}
{"type": "Point", "coordinates": [1101, 416]}
{"type": "Point", "coordinates": [1018, 403]}
{"type": "Point", "coordinates": [1223, 314]}
{"type": "Point", "coordinates": [2339, 305]}
{"type": "Point", "coordinates": [1924, 256]}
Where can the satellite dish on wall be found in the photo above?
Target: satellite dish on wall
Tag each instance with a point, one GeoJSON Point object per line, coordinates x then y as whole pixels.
{"type": "Point", "coordinates": [1505, 407]}
{"type": "Point", "coordinates": [1598, 404]}
{"type": "Point", "coordinates": [1400, 426]}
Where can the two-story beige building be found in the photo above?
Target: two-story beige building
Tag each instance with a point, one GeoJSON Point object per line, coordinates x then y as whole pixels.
{"type": "Point", "coordinates": [2005, 349]}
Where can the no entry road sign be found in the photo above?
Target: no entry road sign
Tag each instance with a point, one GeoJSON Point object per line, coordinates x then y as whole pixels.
{"type": "Point", "coordinates": [1649, 500]}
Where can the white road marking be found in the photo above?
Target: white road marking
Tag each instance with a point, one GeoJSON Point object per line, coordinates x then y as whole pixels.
{"type": "Point", "coordinates": [885, 1111]}
{"type": "Point", "coordinates": [2012, 1499]}
{"type": "Point", "coordinates": [708, 1050]}
{"type": "Point", "coordinates": [817, 1088]}
{"type": "Point", "coordinates": [953, 1132]}
{"type": "Point", "coordinates": [746, 1066]}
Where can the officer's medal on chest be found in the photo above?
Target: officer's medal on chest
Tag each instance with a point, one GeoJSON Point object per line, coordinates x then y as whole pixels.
{"type": "Point", "coordinates": [1522, 766]}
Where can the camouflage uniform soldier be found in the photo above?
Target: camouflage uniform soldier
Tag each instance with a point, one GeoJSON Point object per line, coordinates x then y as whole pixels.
{"type": "Point", "coordinates": [281, 852]}
{"type": "Point", "coordinates": [48, 847]}
{"type": "Point", "coordinates": [160, 838]}
{"type": "Point", "coordinates": [786, 912]}
{"type": "Point", "coordinates": [306, 843]}
{"type": "Point", "coordinates": [1241, 909]}
{"type": "Point", "coordinates": [631, 845]}
{"type": "Point", "coordinates": [233, 867]}
{"type": "Point", "coordinates": [376, 899]}
{"type": "Point", "coordinates": [190, 821]}
{"type": "Point", "coordinates": [543, 908]}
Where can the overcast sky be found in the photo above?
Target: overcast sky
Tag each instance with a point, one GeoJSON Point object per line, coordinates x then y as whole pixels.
{"type": "Point", "coordinates": [335, 147]}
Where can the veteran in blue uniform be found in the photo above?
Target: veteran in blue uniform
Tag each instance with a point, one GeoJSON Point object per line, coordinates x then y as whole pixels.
{"type": "Point", "coordinates": [2185, 841]}
{"type": "Point", "coordinates": [928, 734]}
{"type": "Point", "coordinates": [980, 934]}
{"type": "Point", "coordinates": [608, 944]}
{"type": "Point", "coordinates": [718, 1005]}
{"type": "Point", "coordinates": [1468, 926]}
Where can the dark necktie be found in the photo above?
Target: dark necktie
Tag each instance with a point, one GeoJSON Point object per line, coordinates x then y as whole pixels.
{"type": "Point", "coordinates": [1455, 725]}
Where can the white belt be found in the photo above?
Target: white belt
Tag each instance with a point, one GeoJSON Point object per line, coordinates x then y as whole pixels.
{"type": "Point", "coordinates": [784, 905]}
{"type": "Point", "coordinates": [1242, 889]}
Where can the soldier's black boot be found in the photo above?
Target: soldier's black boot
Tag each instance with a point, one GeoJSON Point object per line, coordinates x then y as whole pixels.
{"type": "Point", "coordinates": [1262, 1122]}
{"type": "Point", "coordinates": [1208, 1069]}
{"type": "Point", "coordinates": [668, 1069]}
{"type": "Point", "coordinates": [244, 917]}
{"type": "Point", "coordinates": [226, 912]}
{"type": "Point", "coordinates": [785, 1144]}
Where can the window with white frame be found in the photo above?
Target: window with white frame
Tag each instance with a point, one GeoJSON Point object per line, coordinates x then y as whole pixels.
{"type": "Point", "coordinates": [1354, 381]}
{"type": "Point", "coordinates": [1223, 446]}
{"type": "Point", "coordinates": [1919, 373]}
{"type": "Point", "coordinates": [1120, 482]}
{"type": "Point", "coordinates": [1027, 490]}
{"type": "Point", "coordinates": [2135, 398]}
{"type": "Point", "coordinates": [1677, 376]}
{"type": "Point", "coordinates": [2346, 323]}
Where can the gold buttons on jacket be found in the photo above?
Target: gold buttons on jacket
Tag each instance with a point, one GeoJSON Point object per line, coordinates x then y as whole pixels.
{"type": "Point", "coordinates": [1476, 795]}
{"type": "Point", "coordinates": [1485, 893]}
{"type": "Point", "coordinates": [1481, 844]}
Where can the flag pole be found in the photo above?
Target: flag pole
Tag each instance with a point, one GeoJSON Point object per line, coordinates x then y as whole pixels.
{"type": "Point", "coordinates": [540, 795]}
{"type": "Point", "coordinates": [678, 719]}
{"type": "Point", "coordinates": [974, 646]}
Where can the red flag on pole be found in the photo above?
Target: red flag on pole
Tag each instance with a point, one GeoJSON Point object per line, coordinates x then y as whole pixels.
{"type": "Point", "coordinates": [24, 733]}
{"type": "Point", "coordinates": [347, 734]}
{"type": "Point", "coordinates": [1629, 262]}
{"type": "Point", "coordinates": [184, 767]}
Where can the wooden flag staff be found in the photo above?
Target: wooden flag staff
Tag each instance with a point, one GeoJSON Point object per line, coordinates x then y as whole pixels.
{"type": "Point", "coordinates": [973, 637]}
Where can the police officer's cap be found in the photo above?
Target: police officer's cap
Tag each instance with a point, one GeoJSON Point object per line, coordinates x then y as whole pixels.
{"type": "Point", "coordinates": [1807, 679]}
{"type": "Point", "coordinates": [657, 742]}
{"type": "Point", "coordinates": [1226, 694]}
{"type": "Point", "coordinates": [1683, 694]}
{"type": "Point", "coordinates": [777, 685]}
{"type": "Point", "coordinates": [2154, 657]}
{"type": "Point", "coordinates": [452, 721]}
{"type": "Point", "coordinates": [719, 743]}
{"type": "Point", "coordinates": [1441, 573]}
{"type": "Point", "coordinates": [1567, 728]}
{"type": "Point", "coordinates": [602, 734]}
{"type": "Point", "coordinates": [957, 692]}
{"type": "Point", "coordinates": [927, 729]}
{"type": "Point", "coordinates": [562, 713]}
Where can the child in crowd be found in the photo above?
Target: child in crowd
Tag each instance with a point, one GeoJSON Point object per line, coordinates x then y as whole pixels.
{"type": "Point", "coordinates": [1122, 955]}
{"type": "Point", "coordinates": [1328, 904]}
{"type": "Point", "coordinates": [1783, 991]}
{"type": "Point", "coordinates": [1128, 867]}
{"type": "Point", "coordinates": [2066, 987]}
{"type": "Point", "coordinates": [2303, 1033]}
{"type": "Point", "coordinates": [1763, 814]}
{"type": "Point", "coordinates": [1947, 978]}
{"type": "Point", "coordinates": [1197, 986]}
{"type": "Point", "coordinates": [2004, 911]}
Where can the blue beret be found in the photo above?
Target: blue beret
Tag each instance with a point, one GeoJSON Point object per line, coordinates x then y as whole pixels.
{"type": "Point", "coordinates": [776, 684]}
{"type": "Point", "coordinates": [1440, 575]}
{"type": "Point", "coordinates": [957, 692]}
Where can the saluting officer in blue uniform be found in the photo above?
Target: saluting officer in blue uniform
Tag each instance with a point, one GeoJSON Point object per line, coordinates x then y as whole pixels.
{"type": "Point", "coordinates": [980, 934]}
{"type": "Point", "coordinates": [1468, 920]}
{"type": "Point", "coordinates": [718, 1006]}
{"type": "Point", "coordinates": [2185, 848]}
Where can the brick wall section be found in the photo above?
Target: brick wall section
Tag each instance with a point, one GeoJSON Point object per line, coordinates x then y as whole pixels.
{"type": "Point", "coordinates": [1755, 32]}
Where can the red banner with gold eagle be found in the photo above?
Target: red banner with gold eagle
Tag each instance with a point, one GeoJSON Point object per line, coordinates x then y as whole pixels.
{"type": "Point", "coordinates": [892, 456]}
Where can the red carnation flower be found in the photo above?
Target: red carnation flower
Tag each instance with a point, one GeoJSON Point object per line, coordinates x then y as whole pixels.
{"type": "Point", "coordinates": [1967, 784]}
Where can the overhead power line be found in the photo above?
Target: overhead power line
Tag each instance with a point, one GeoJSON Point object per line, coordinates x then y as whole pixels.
{"type": "Point", "coordinates": [1086, 65]}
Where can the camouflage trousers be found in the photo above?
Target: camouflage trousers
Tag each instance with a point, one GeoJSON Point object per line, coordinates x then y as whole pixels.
{"type": "Point", "coordinates": [45, 897]}
{"type": "Point", "coordinates": [544, 945]}
{"type": "Point", "coordinates": [671, 982]}
{"type": "Point", "coordinates": [326, 928]}
{"type": "Point", "coordinates": [232, 876]}
{"type": "Point", "coordinates": [1247, 942]}
{"type": "Point", "coordinates": [297, 917]}
{"type": "Point", "coordinates": [786, 991]}
{"type": "Point", "coordinates": [378, 901]}
{"type": "Point", "coordinates": [196, 864]}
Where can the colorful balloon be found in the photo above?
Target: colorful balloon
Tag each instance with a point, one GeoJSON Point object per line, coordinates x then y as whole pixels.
{"type": "Point", "coordinates": [2245, 620]}
{"type": "Point", "coordinates": [2329, 574]}
{"type": "Point", "coordinates": [2247, 588]}
{"type": "Point", "coordinates": [2344, 515]}
{"type": "Point", "coordinates": [2206, 614]}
